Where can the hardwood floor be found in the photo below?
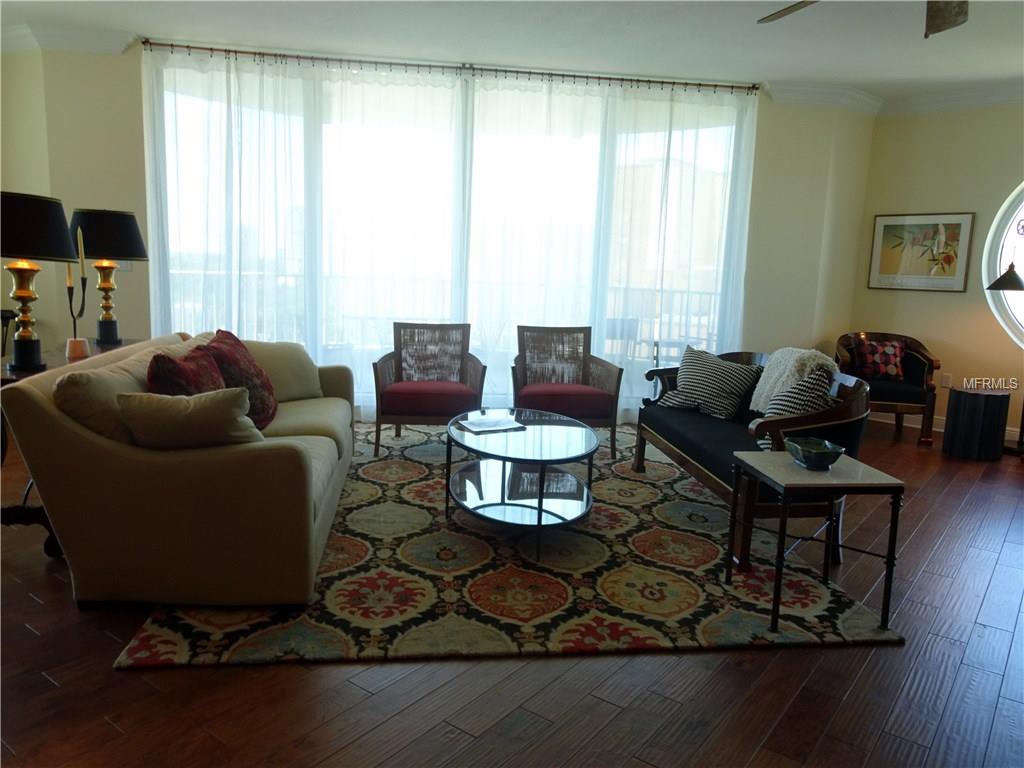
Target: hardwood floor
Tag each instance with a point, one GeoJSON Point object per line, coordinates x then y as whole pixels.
{"type": "Point", "coordinates": [953, 695]}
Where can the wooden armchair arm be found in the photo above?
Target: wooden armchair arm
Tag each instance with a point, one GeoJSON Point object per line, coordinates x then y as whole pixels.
{"type": "Point", "coordinates": [605, 376]}
{"type": "Point", "coordinates": [518, 378]}
{"type": "Point", "coordinates": [775, 426]}
{"type": "Point", "coordinates": [666, 377]}
{"type": "Point", "coordinates": [843, 357]}
{"type": "Point", "coordinates": [853, 399]}
{"type": "Point", "coordinates": [931, 362]}
{"type": "Point", "coordinates": [473, 373]}
{"type": "Point", "coordinates": [384, 372]}
{"type": "Point", "coordinates": [915, 346]}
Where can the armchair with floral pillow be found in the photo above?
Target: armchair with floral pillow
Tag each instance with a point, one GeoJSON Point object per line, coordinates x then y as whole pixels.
{"type": "Point", "coordinates": [899, 369]}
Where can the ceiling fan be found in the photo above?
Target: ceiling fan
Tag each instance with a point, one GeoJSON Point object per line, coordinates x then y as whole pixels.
{"type": "Point", "coordinates": [940, 15]}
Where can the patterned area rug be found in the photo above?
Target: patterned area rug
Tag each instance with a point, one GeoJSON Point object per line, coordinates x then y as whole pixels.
{"type": "Point", "coordinates": [642, 572]}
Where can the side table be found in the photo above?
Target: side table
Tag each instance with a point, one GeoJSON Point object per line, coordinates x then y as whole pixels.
{"type": "Point", "coordinates": [793, 483]}
{"type": "Point", "coordinates": [976, 423]}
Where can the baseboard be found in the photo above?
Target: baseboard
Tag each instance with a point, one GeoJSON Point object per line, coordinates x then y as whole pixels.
{"type": "Point", "coordinates": [937, 426]}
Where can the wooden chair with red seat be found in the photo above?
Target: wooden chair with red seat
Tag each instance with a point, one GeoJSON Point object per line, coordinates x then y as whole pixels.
{"type": "Point", "coordinates": [429, 378]}
{"type": "Point", "coordinates": [554, 371]}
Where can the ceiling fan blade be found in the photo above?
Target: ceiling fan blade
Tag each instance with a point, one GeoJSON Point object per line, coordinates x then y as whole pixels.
{"type": "Point", "coordinates": [786, 11]}
{"type": "Point", "coordinates": [941, 15]}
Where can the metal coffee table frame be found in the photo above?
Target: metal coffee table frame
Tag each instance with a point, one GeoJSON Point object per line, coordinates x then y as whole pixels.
{"type": "Point", "coordinates": [510, 465]}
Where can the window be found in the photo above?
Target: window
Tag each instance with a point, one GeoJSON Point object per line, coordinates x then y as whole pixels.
{"type": "Point", "coordinates": [1005, 246]}
{"type": "Point", "coordinates": [320, 205]}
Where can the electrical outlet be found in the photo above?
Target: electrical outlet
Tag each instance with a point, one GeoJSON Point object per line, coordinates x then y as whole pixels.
{"type": "Point", "coordinates": [947, 380]}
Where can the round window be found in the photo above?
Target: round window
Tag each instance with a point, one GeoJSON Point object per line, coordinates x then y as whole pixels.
{"type": "Point", "coordinates": [1005, 246]}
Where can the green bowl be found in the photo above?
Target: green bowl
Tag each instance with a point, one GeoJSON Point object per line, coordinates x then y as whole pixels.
{"type": "Point", "coordinates": [813, 452]}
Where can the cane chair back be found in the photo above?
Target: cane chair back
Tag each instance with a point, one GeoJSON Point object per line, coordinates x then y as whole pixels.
{"type": "Point", "coordinates": [555, 355]}
{"type": "Point", "coordinates": [431, 352]}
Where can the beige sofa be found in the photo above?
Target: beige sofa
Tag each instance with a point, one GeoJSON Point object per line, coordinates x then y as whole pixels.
{"type": "Point", "coordinates": [227, 525]}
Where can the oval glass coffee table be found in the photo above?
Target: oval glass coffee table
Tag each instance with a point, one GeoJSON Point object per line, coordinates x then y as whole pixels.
{"type": "Point", "coordinates": [515, 480]}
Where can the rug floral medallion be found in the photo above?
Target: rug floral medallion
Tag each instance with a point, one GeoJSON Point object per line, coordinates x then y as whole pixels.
{"type": "Point", "coordinates": [642, 572]}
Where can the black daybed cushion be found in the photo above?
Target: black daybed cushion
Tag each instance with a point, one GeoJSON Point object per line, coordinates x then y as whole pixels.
{"type": "Point", "coordinates": [714, 386]}
{"type": "Point", "coordinates": [709, 442]}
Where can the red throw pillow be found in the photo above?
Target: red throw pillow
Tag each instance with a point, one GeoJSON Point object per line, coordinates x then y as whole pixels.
{"type": "Point", "coordinates": [879, 359]}
{"type": "Point", "coordinates": [192, 374]}
{"type": "Point", "coordinates": [240, 369]}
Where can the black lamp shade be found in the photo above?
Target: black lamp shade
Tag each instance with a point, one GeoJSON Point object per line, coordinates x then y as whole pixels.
{"type": "Point", "coordinates": [34, 228]}
{"type": "Point", "coordinates": [110, 235]}
{"type": "Point", "coordinates": [1008, 281]}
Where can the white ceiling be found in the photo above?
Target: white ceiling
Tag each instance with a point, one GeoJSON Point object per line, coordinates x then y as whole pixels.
{"type": "Point", "coordinates": [876, 47]}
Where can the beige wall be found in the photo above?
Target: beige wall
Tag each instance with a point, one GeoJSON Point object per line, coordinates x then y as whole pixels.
{"type": "Point", "coordinates": [951, 161]}
{"type": "Point", "coordinates": [72, 128]}
{"type": "Point", "coordinates": [97, 159]}
{"type": "Point", "coordinates": [24, 155]}
{"type": "Point", "coordinates": [25, 167]}
{"type": "Point", "coordinates": [810, 173]}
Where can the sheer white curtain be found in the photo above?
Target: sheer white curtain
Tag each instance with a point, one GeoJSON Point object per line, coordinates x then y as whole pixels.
{"type": "Point", "coordinates": [319, 205]}
{"type": "Point", "coordinates": [536, 168]}
{"type": "Point", "coordinates": [389, 169]}
{"type": "Point", "coordinates": [675, 240]}
{"type": "Point", "coordinates": [300, 203]}
{"type": "Point", "coordinates": [226, 172]}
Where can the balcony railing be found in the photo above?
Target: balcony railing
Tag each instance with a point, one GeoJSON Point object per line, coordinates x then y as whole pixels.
{"type": "Point", "coordinates": [642, 324]}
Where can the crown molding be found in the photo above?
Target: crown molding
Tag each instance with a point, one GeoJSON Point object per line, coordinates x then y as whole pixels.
{"type": "Point", "coordinates": [22, 37]}
{"type": "Point", "coordinates": [18, 38]}
{"type": "Point", "coordinates": [826, 95]}
{"type": "Point", "coordinates": [959, 97]}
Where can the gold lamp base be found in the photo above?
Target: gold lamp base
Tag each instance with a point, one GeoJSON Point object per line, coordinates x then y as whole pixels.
{"type": "Point", "coordinates": [28, 355]}
{"type": "Point", "coordinates": [106, 326]}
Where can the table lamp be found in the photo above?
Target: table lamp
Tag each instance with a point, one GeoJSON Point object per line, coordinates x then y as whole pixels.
{"type": "Point", "coordinates": [1011, 281]}
{"type": "Point", "coordinates": [32, 228]}
{"type": "Point", "coordinates": [108, 237]}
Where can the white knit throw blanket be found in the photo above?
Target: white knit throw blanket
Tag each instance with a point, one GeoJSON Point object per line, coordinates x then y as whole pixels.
{"type": "Point", "coordinates": [785, 367]}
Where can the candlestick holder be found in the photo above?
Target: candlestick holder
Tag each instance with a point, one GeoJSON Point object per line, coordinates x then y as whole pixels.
{"type": "Point", "coordinates": [76, 348]}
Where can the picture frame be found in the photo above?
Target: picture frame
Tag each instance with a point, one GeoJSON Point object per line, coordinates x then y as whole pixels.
{"type": "Point", "coordinates": [921, 252]}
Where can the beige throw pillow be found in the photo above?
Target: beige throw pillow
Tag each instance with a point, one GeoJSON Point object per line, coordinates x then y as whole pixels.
{"type": "Point", "coordinates": [166, 422]}
{"type": "Point", "coordinates": [90, 397]}
{"type": "Point", "coordinates": [291, 370]}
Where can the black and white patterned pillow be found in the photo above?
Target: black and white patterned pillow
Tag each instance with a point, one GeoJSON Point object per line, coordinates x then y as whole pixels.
{"type": "Point", "coordinates": [806, 396]}
{"type": "Point", "coordinates": [714, 386]}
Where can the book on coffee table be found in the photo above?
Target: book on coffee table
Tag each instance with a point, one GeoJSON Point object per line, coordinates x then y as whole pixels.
{"type": "Point", "coordinates": [500, 422]}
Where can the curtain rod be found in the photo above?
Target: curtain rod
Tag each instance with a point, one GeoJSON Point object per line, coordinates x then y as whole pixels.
{"type": "Point", "coordinates": [272, 57]}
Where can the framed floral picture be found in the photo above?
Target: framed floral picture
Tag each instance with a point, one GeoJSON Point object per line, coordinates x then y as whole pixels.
{"type": "Point", "coordinates": [921, 252]}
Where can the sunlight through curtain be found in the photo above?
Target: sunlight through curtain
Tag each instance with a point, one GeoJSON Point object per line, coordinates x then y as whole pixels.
{"type": "Point", "coordinates": [320, 205]}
